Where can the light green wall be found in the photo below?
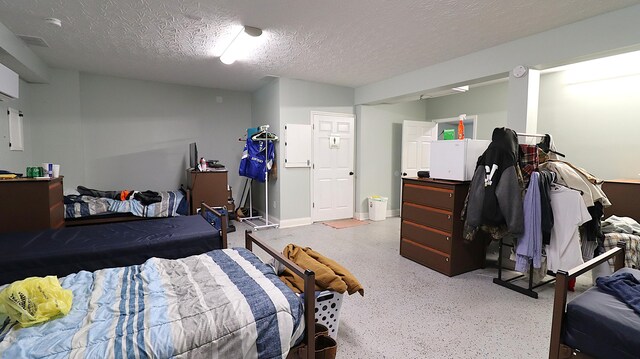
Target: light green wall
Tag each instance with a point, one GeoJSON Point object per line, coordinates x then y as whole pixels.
{"type": "Point", "coordinates": [265, 110]}
{"type": "Point", "coordinates": [488, 102]}
{"type": "Point", "coordinates": [17, 161]}
{"type": "Point", "coordinates": [57, 126]}
{"type": "Point", "coordinates": [594, 123]}
{"type": "Point", "coordinates": [297, 100]}
{"type": "Point", "coordinates": [113, 133]}
{"type": "Point", "coordinates": [378, 152]}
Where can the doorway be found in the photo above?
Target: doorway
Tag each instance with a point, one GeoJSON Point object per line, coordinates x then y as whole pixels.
{"type": "Point", "coordinates": [332, 172]}
{"type": "Point", "coordinates": [416, 146]}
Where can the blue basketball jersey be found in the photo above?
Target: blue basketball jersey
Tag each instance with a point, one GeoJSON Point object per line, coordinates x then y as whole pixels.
{"type": "Point", "coordinates": [255, 163]}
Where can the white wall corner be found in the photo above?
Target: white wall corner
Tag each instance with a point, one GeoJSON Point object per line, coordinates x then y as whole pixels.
{"type": "Point", "coordinates": [523, 96]}
{"type": "Point", "coordinates": [295, 222]}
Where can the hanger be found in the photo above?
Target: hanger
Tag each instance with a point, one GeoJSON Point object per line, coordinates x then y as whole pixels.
{"type": "Point", "coordinates": [545, 145]}
{"type": "Point", "coordinates": [556, 184]}
{"type": "Point", "coordinates": [264, 135]}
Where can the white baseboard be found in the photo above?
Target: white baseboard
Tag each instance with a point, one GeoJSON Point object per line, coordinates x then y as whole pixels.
{"type": "Point", "coordinates": [295, 222]}
{"type": "Point", "coordinates": [363, 216]}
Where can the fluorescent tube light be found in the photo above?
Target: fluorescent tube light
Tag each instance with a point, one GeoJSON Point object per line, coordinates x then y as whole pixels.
{"type": "Point", "coordinates": [607, 68]}
{"type": "Point", "coordinates": [241, 44]}
{"type": "Point", "coordinates": [461, 88]}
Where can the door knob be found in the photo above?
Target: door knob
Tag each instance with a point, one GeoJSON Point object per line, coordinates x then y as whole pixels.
{"type": "Point", "coordinates": [350, 173]}
{"type": "Point", "coordinates": [404, 173]}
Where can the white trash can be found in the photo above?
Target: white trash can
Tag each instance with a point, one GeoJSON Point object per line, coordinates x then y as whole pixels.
{"type": "Point", "coordinates": [377, 208]}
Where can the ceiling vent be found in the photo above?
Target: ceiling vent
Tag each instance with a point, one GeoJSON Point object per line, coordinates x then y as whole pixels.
{"type": "Point", "coordinates": [33, 41]}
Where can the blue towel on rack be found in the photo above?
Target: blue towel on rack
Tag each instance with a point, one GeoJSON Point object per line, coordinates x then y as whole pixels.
{"type": "Point", "coordinates": [625, 286]}
{"type": "Point", "coordinates": [252, 131]}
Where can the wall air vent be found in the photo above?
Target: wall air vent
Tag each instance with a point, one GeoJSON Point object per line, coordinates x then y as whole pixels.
{"type": "Point", "coordinates": [33, 41]}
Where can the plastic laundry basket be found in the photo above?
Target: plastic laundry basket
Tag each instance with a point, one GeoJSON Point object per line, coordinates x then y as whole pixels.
{"type": "Point", "coordinates": [377, 208]}
{"type": "Point", "coordinates": [328, 304]}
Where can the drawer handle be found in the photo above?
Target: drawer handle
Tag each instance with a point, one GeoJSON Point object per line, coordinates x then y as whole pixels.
{"type": "Point", "coordinates": [450, 195]}
{"type": "Point", "coordinates": [448, 238]}
{"type": "Point", "coordinates": [448, 216]}
{"type": "Point", "coordinates": [446, 259]}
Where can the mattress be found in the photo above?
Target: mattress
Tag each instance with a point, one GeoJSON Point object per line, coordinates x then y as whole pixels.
{"type": "Point", "coordinates": [222, 304]}
{"type": "Point", "coordinates": [69, 250]}
{"type": "Point", "coordinates": [602, 326]}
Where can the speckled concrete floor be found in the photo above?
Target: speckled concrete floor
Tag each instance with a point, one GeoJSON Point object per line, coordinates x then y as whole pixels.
{"type": "Point", "coordinates": [410, 311]}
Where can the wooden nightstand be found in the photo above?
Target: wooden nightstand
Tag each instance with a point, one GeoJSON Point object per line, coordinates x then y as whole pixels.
{"type": "Point", "coordinates": [209, 187]}
{"type": "Point", "coordinates": [30, 204]}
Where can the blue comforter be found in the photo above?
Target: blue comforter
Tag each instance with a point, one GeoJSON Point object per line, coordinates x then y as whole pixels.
{"type": "Point", "coordinates": [222, 304]}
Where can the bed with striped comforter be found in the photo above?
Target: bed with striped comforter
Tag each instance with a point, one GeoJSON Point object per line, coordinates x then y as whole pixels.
{"type": "Point", "coordinates": [85, 206]}
{"type": "Point", "coordinates": [222, 304]}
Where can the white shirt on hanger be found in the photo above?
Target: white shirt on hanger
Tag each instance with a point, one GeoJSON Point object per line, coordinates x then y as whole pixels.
{"type": "Point", "coordinates": [569, 212]}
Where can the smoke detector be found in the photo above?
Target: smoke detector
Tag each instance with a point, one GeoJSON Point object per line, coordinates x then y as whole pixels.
{"type": "Point", "coordinates": [53, 21]}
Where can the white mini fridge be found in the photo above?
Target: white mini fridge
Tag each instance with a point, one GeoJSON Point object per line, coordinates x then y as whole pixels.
{"type": "Point", "coordinates": [455, 159]}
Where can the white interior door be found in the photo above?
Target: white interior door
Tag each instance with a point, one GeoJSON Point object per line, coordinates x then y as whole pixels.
{"type": "Point", "coordinates": [332, 170]}
{"type": "Point", "coordinates": [416, 146]}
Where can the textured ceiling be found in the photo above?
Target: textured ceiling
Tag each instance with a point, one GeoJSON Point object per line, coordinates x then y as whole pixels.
{"type": "Point", "coordinates": [350, 43]}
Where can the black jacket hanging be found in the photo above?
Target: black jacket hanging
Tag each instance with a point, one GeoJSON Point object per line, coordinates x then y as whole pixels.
{"type": "Point", "coordinates": [495, 194]}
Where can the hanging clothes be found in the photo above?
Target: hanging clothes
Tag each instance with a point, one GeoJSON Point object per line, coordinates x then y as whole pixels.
{"type": "Point", "coordinates": [528, 160]}
{"type": "Point", "coordinates": [569, 212]}
{"type": "Point", "coordinates": [495, 193]}
{"type": "Point", "coordinates": [256, 162]}
{"type": "Point", "coordinates": [546, 212]}
{"type": "Point", "coordinates": [579, 179]}
{"type": "Point", "coordinates": [529, 246]}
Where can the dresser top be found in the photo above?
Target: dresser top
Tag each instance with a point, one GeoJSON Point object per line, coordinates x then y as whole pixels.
{"type": "Point", "coordinates": [433, 180]}
{"type": "Point", "coordinates": [25, 179]}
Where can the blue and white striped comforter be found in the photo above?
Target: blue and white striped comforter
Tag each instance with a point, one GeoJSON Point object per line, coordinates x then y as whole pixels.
{"type": "Point", "coordinates": [222, 304]}
{"type": "Point", "coordinates": [91, 206]}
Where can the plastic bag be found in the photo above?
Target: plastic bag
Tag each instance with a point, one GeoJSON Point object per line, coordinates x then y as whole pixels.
{"type": "Point", "coordinates": [35, 300]}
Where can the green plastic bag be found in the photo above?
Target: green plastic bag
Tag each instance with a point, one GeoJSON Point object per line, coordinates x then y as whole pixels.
{"type": "Point", "coordinates": [35, 300]}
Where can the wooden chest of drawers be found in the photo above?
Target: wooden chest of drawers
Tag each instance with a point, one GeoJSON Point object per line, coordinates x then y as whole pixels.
{"type": "Point", "coordinates": [431, 229]}
{"type": "Point", "coordinates": [208, 187]}
{"type": "Point", "coordinates": [30, 204]}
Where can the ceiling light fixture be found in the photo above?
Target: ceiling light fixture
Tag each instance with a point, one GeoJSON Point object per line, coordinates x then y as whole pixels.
{"type": "Point", "coordinates": [461, 88]}
{"type": "Point", "coordinates": [241, 44]}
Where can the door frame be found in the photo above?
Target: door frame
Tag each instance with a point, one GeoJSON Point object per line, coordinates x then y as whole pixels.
{"type": "Point", "coordinates": [313, 152]}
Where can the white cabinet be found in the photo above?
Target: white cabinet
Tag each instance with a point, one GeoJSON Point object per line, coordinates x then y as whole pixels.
{"type": "Point", "coordinates": [456, 159]}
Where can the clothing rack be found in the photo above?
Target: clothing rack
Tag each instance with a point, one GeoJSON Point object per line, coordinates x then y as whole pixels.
{"type": "Point", "coordinates": [530, 135]}
{"type": "Point", "coordinates": [259, 222]}
{"type": "Point", "coordinates": [507, 283]}
{"type": "Point", "coordinates": [539, 136]}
